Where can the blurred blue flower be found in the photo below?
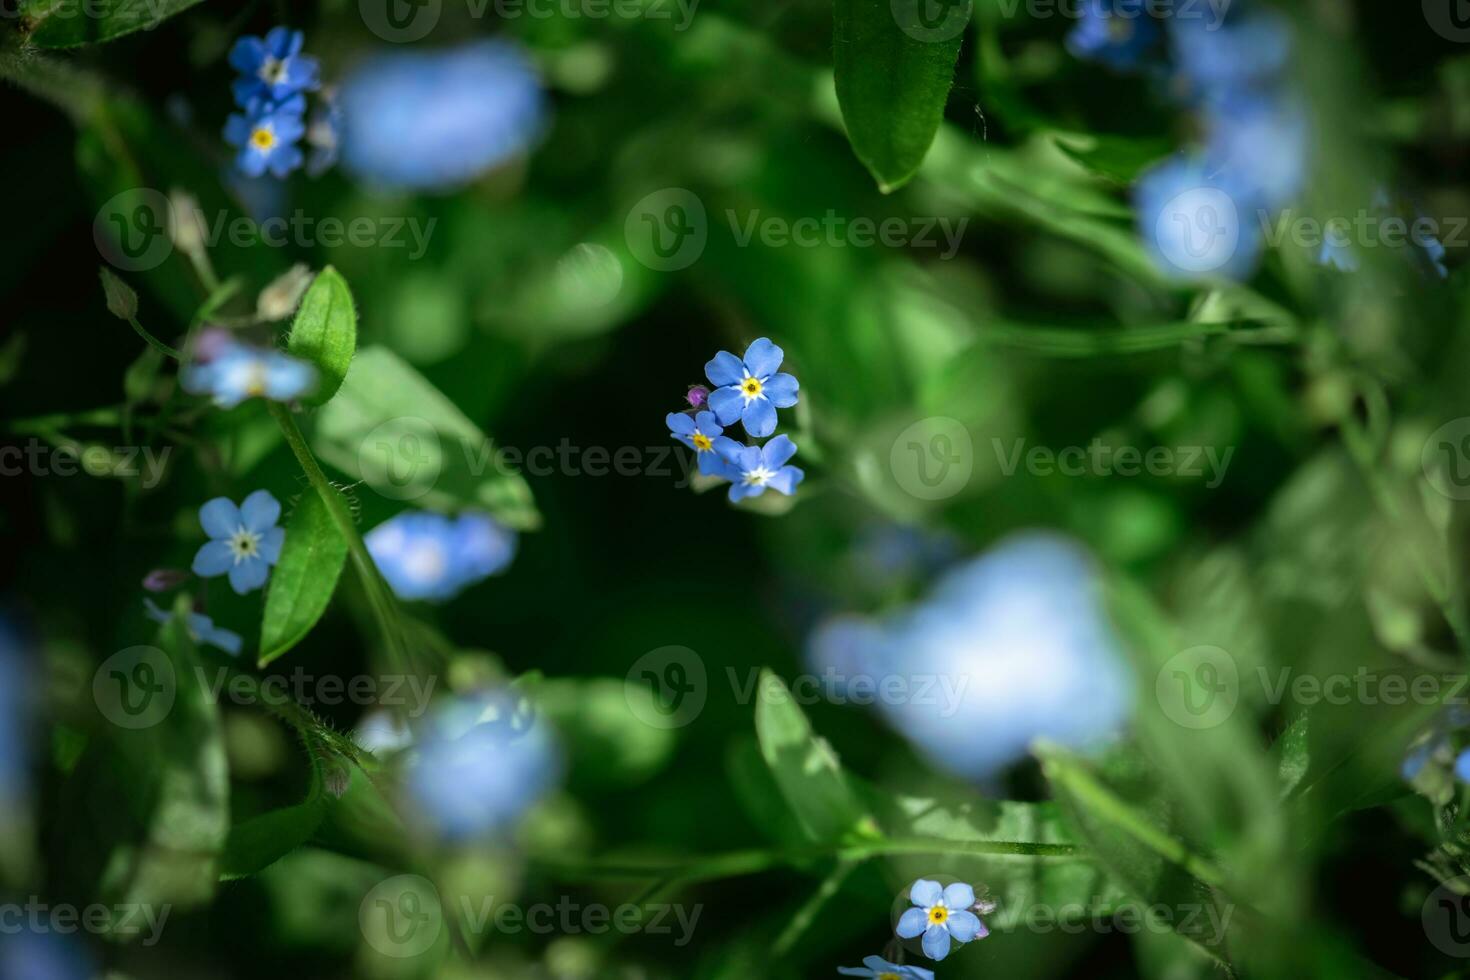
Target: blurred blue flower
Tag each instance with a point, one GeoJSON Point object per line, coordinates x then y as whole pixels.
{"type": "Point", "coordinates": [1022, 649]}
{"type": "Point", "coordinates": [200, 627]}
{"type": "Point", "coordinates": [751, 389]}
{"type": "Point", "coordinates": [1120, 34]}
{"type": "Point", "coordinates": [428, 556]}
{"type": "Point", "coordinates": [233, 372]}
{"type": "Point", "coordinates": [27, 954]}
{"type": "Point", "coordinates": [383, 732]}
{"type": "Point", "coordinates": [877, 968]}
{"type": "Point", "coordinates": [272, 68]}
{"type": "Point", "coordinates": [244, 541]}
{"type": "Point", "coordinates": [15, 711]}
{"type": "Point", "coordinates": [703, 434]}
{"type": "Point", "coordinates": [940, 914]}
{"type": "Point", "coordinates": [1338, 255]}
{"type": "Point", "coordinates": [1216, 59]}
{"type": "Point", "coordinates": [1195, 222]}
{"type": "Point", "coordinates": [266, 135]}
{"type": "Point", "coordinates": [1462, 766]}
{"type": "Point", "coordinates": [1260, 143]}
{"type": "Point", "coordinates": [479, 763]}
{"type": "Point", "coordinates": [756, 468]}
{"type": "Point", "coordinates": [434, 120]}
{"type": "Point", "coordinates": [846, 648]}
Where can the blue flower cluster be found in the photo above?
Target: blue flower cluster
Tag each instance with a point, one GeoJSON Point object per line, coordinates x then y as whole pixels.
{"type": "Point", "coordinates": [1434, 764]}
{"type": "Point", "coordinates": [434, 120]}
{"type": "Point", "coordinates": [747, 390]}
{"type": "Point", "coordinates": [271, 92]}
{"type": "Point", "coordinates": [428, 556]}
{"type": "Point", "coordinates": [1121, 34]}
{"type": "Point", "coordinates": [230, 372]}
{"type": "Point", "coordinates": [1021, 649]}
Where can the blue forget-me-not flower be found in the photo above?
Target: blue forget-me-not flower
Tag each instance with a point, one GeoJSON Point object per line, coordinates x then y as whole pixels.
{"type": "Point", "coordinates": [877, 968]}
{"type": "Point", "coordinates": [244, 541]}
{"type": "Point", "coordinates": [234, 372]}
{"type": "Point", "coordinates": [704, 434]}
{"type": "Point", "coordinates": [200, 627]}
{"type": "Point", "coordinates": [757, 468]}
{"type": "Point", "coordinates": [432, 120]}
{"type": "Point", "coordinates": [751, 388]}
{"type": "Point", "coordinates": [940, 914]}
{"type": "Point", "coordinates": [431, 557]}
{"type": "Point", "coordinates": [1197, 222]}
{"type": "Point", "coordinates": [272, 68]}
{"type": "Point", "coordinates": [266, 135]}
{"type": "Point", "coordinates": [479, 763]}
{"type": "Point", "coordinates": [1120, 34]}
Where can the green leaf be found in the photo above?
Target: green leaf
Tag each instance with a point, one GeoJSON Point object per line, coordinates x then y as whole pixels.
{"type": "Point", "coordinates": [806, 769]}
{"type": "Point", "coordinates": [391, 428]}
{"type": "Point", "coordinates": [257, 843]}
{"type": "Point", "coordinates": [68, 23]}
{"type": "Point", "coordinates": [325, 333]}
{"type": "Point", "coordinates": [122, 300]}
{"type": "Point", "coordinates": [894, 70]}
{"type": "Point", "coordinates": [304, 579]}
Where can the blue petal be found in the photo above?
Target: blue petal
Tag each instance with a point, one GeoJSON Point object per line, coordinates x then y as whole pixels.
{"type": "Point", "coordinates": [781, 390]}
{"type": "Point", "coordinates": [763, 358]}
{"type": "Point", "coordinates": [855, 971]}
{"type": "Point", "coordinates": [739, 490]}
{"type": "Point", "coordinates": [749, 459]}
{"type": "Point", "coordinates": [727, 404]}
{"type": "Point", "coordinates": [878, 964]}
{"type": "Point", "coordinates": [219, 517]}
{"type": "Point", "coordinates": [708, 424]}
{"type": "Point", "coordinates": [270, 544]}
{"type": "Point", "coordinates": [728, 448]}
{"type": "Point", "coordinates": [964, 925]}
{"type": "Point", "coordinates": [915, 973]}
{"type": "Point", "coordinates": [936, 942]}
{"type": "Point", "coordinates": [710, 464]}
{"type": "Point", "coordinates": [278, 42]}
{"type": "Point", "coordinates": [786, 479]}
{"type": "Point", "coordinates": [284, 160]}
{"type": "Point", "coordinates": [959, 896]}
{"type": "Point", "coordinates": [260, 511]}
{"type": "Point", "coordinates": [251, 164]}
{"type": "Point", "coordinates": [912, 923]}
{"type": "Point", "coordinates": [247, 54]}
{"type": "Point", "coordinates": [214, 558]}
{"type": "Point", "coordinates": [925, 893]}
{"type": "Point", "coordinates": [759, 417]}
{"type": "Point", "coordinates": [1462, 767]}
{"type": "Point", "coordinates": [249, 575]}
{"type": "Point", "coordinates": [286, 378]}
{"type": "Point", "coordinates": [680, 424]}
{"type": "Point", "coordinates": [776, 452]}
{"type": "Point", "coordinates": [724, 369]}
{"type": "Point", "coordinates": [226, 640]}
{"type": "Point", "coordinates": [237, 130]}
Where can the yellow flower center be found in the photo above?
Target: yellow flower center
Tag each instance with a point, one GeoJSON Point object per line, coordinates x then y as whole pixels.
{"type": "Point", "coordinates": [938, 914]}
{"type": "Point", "coordinates": [702, 442]}
{"type": "Point", "coordinates": [750, 387]}
{"type": "Point", "coordinates": [255, 380]}
{"type": "Point", "coordinates": [262, 138]}
{"type": "Point", "coordinates": [889, 976]}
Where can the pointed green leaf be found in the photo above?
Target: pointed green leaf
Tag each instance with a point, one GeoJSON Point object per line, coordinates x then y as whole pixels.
{"type": "Point", "coordinates": [68, 23]}
{"type": "Point", "coordinates": [325, 333]}
{"type": "Point", "coordinates": [304, 579]}
{"type": "Point", "coordinates": [258, 842]}
{"type": "Point", "coordinates": [894, 63]}
{"type": "Point", "coordinates": [806, 769]}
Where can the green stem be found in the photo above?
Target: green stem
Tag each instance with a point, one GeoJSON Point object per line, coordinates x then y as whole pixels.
{"type": "Point", "coordinates": [807, 914]}
{"type": "Point", "coordinates": [381, 600]}
{"type": "Point", "coordinates": [153, 341]}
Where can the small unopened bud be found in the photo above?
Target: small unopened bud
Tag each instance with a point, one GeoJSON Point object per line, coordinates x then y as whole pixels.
{"type": "Point", "coordinates": [164, 579]}
{"type": "Point", "coordinates": [280, 299]}
{"type": "Point", "coordinates": [122, 301]}
{"type": "Point", "coordinates": [186, 223]}
{"type": "Point", "coordinates": [697, 396]}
